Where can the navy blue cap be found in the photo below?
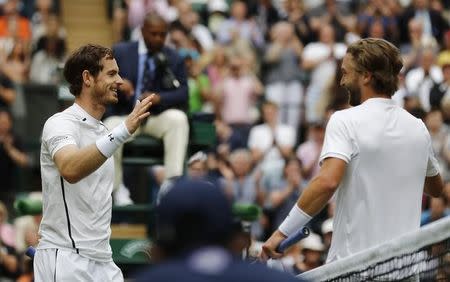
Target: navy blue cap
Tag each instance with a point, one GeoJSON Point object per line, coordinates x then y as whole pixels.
{"type": "Point", "coordinates": [193, 212]}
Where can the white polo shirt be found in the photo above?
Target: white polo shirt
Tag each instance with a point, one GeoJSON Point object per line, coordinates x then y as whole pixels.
{"type": "Point", "coordinates": [388, 154]}
{"type": "Point", "coordinates": [75, 216]}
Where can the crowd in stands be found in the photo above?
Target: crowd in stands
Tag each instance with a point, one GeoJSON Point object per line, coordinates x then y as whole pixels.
{"type": "Point", "coordinates": [269, 72]}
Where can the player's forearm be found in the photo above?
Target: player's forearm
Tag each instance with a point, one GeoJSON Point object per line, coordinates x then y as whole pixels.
{"type": "Point", "coordinates": [76, 164]}
{"type": "Point", "coordinates": [316, 195]}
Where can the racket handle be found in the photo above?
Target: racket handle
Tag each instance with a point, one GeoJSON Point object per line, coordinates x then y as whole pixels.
{"type": "Point", "coordinates": [294, 238]}
{"type": "Point", "coordinates": [30, 252]}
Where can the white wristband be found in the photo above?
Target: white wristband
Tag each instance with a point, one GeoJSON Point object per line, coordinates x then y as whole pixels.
{"type": "Point", "coordinates": [108, 144]}
{"type": "Point", "coordinates": [294, 221]}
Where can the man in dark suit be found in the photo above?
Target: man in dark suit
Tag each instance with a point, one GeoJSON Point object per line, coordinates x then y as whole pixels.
{"type": "Point", "coordinates": [147, 66]}
{"type": "Point", "coordinates": [434, 23]}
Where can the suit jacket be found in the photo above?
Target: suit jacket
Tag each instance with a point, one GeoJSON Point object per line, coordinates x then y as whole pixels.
{"type": "Point", "coordinates": [127, 57]}
{"type": "Point", "coordinates": [438, 24]}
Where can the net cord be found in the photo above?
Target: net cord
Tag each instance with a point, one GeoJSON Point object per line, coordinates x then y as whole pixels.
{"type": "Point", "coordinates": [407, 243]}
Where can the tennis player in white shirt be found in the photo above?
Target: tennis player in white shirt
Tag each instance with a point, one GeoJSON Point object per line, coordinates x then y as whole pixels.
{"type": "Point", "coordinates": [376, 156]}
{"type": "Point", "coordinates": [77, 173]}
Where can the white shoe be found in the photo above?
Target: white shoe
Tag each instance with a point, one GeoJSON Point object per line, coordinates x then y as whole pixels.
{"type": "Point", "coordinates": [122, 196]}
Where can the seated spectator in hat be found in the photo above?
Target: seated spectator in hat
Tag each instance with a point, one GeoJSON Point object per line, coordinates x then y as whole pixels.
{"type": "Point", "coordinates": [193, 240]}
{"type": "Point", "coordinates": [197, 169]}
{"type": "Point", "coordinates": [312, 249]}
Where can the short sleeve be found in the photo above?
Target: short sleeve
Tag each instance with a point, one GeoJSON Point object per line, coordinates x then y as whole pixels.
{"type": "Point", "coordinates": [338, 142]}
{"type": "Point", "coordinates": [432, 164]}
{"type": "Point", "coordinates": [59, 132]}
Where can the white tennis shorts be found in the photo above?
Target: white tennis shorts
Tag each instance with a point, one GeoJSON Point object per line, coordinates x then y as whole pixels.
{"type": "Point", "coordinates": [66, 266]}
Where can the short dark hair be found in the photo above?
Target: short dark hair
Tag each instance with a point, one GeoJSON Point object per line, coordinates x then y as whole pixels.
{"type": "Point", "coordinates": [381, 59]}
{"type": "Point", "coordinates": [87, 57]}
{"type": "Point", "coordinates": [154, 18]}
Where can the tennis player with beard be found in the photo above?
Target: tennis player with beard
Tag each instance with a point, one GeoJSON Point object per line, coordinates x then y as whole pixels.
{"type": "Point", "coordinates": [376, 156]}
{"type": "Point", "coordinates": [78, 173]}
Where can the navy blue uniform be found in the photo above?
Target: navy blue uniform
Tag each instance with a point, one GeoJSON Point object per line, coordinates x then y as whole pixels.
{"type": "Point", "coordinates": [213, 265]}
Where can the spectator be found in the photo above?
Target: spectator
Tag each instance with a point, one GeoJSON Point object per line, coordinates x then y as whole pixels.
{"type": "Point", "coordinates": [265, 15]}
{"type": "Point", "coordinates": [438, 209]}
{"type": "Point", "coordinates": [445, 52]}
{"type": "Point", "coordinates": [296, 15]}
{"type": "Point", "coordinates": [188, 20]}
{"type": "Point", "coordinates": [217, 68]}
{"type": "Point", "coordinates": [9, 261]}
{"type": "Point", "coordinates": [228, 139]}
{"type": "Point", "coordinates": [319, 58]}
{"type": "Point", "coordinates": [271, 142]}
{"type": "Point", "coordinates": [418, 42]}
{"type": "Point", "coordinates": [12, 24]}
{"type": "Point", "coordinates": [51, 30]}
{"type": "Point", "coordinates": [281, 194]}
{"type": "Point", "coordinates": [217, 10]}
{"type": "Point", "coordinates": [147, 66]}
{"type": "Point", "coordinates": [447, 194]}
{"type": "Point", "coordinates": [237, 96]}
{"type": "Point", "coordinates": [179, 38]}
{"type": "Point", "coordinates": [420, 80]}
{"type": "Point", "coordinates": [441, 91]}
{"type": "Point", "coordinates": [327, 234]}
{"type": "Point", "coordinates": [200, 93]}
{"type": "Point", "coordinates": [17, 63]}
{"type": "Point", "coordinates": [44, 18]}
{"type": "Point", "coordinates": [7, 232]}
{"type": "Point", "coordinates": [439, 133]}
{"type": "Point", "coordinates": [309, 151]}
{"type": "Point", "coordinates": [242, 186]}
{"type": "Point", "coordinates": [45, 63]}
{"type": "Point", "coordinates": [283, 75]}
{"type": "Point", "coordinates": [379, 12]}
{"type": "Point", "coordinates": [433, 22]}
{"type": "Point", "coordinates": [7, 92]}
{"type": "Point", "coordinates": [331, 13]}
{"type": "Point", "coordinates": [239, 27]}
{"type": "Point", "coordinates": [11, 158]}
{"type": "Point", "coordinates": [312, 248]}
{"type": "Point", "coordinates": [197, 168]}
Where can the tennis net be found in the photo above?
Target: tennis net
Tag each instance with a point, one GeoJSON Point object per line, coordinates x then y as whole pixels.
{"type": "Point", "coordinates": [423, 255]}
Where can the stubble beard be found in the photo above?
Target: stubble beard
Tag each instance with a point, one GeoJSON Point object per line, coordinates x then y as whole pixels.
{"type": "Point", "coordinates": [355, 95]}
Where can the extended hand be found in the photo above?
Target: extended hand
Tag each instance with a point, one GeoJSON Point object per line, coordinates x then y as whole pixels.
{"type": "Point", "coordinates": [269, 247]}
{"type": "Point", "coordinates": [139, 114]}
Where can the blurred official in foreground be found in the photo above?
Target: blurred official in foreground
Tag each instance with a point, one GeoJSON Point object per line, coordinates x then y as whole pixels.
{"type": "Point", "coordinates": [194, 235]}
